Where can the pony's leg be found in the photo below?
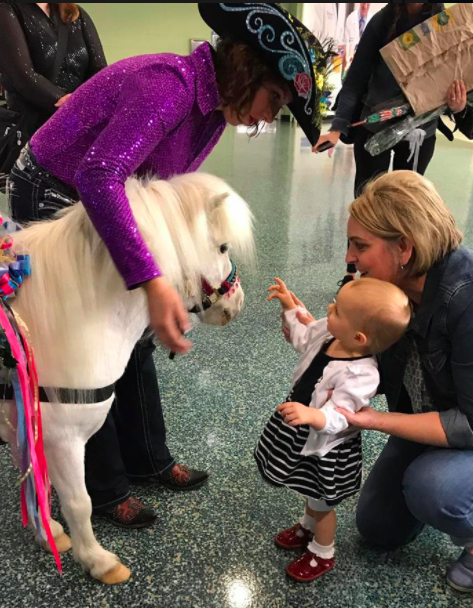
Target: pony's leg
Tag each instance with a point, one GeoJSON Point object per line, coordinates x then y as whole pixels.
{"type": "Point", "coordinates": [61, 539]}
{"type": "Point", "coordinates": [66, 430]}
{"type": "Point", "coordinates": [63, 542]}
{"type": "Point", "coordinates": [5, 432]}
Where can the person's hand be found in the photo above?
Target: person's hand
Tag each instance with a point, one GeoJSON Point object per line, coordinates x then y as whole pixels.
{"type": "Point", "coordinates": [456, 96]}
{"type": "Point", "coordinates": [367, 418]}
{"type": "Point", "coordinates": [281, 292]}
{"type": "Point", "coordinates": [167, 316]}
{"type": "Point", "coordinates": [62, 101]}
{"type": "Point", "coordinates": [303, 316]}
{"type": "Point", "coordinates": [333, 137]}
{"type": "Point", "coordinates": [295, 413]}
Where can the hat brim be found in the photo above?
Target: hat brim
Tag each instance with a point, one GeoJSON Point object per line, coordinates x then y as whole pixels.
{"type": "Point", "coordinates": [282, 40]}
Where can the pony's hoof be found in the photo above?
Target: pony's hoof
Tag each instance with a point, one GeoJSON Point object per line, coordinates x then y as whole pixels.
{"type": "Point", "coordinates": [118, 574]}
{"type": "Point", "coordinates": [63, 544]}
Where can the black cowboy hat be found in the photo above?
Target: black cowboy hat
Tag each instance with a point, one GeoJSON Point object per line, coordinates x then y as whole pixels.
{"type": "Point", "coordinates": [289, 48]}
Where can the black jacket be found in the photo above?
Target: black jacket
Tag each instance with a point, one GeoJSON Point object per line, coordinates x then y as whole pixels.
{"type": "Point", "coordinates": [28, 45]}
{"type": "Point", "coordinates": [443, 331]}
{"type": "Point", "coordinates": [370, 85]}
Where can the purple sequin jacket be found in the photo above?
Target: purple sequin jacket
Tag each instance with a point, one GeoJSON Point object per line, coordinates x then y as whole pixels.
{"type": "Point", "coordinates": [152, 114]}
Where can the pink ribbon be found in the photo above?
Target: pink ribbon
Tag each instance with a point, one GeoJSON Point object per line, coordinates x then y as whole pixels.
{"type": "Point", "coordinates": [39, 467]}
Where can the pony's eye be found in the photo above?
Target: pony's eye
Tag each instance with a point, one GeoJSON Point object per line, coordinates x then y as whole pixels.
{"type": "Point", "coordinates": [223, 248]}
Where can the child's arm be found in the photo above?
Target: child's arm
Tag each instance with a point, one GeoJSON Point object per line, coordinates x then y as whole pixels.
{"type": "Point", "coordinates": [281, 292]}
{"type": "Point", "coordinates": [358, 387]}
{"type": "Point", "coordinates": [299, 334]}
{"type": "Point", "coordinates": [296, 413]}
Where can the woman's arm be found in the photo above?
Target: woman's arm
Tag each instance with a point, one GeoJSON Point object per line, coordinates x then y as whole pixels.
{"type": "Point", "coordinates": [17, 67]}
{"type": "Point", "coordinates": [356, 82]}
{"type": "Point", "coordinates": [458, 422]}
{"type": "Point", "coordinates": [143, 117]}
{"type": "Point", "coordinates": [421, 428]}
{"type": "Point", "coordinates": [464, 121]}
{"type": "Point", "coordinates": [450, 428]}
{"type": "Point", "coordinates": [97, 59]}
{"type": "Point", "coordinates": [459, 110]}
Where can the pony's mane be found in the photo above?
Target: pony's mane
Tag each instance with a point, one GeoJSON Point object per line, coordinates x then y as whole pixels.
{"type": "Point", "coordinates": [182, 220]}
{"type": "Point", "coordinates": [75, 283]}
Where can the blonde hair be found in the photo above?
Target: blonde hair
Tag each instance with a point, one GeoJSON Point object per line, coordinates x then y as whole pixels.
{"type": "Point", "coordinates": [405, 204]}
{"type": "Point", "coordinates": [380, 310]}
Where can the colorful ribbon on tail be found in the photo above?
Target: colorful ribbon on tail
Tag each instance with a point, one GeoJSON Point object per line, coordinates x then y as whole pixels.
{"type": "Point", "coordinates": [16, 354]}
{"type": "Point", "coordinates": [35, 490]}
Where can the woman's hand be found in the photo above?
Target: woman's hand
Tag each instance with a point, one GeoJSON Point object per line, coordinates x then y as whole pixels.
{"type": "Point", "coordinates": [456, 96]}
{"type": "Point", "coordinates": [367, 418]}
{"type": "Point", "coordinates": [62, 101]}
{"type": "Point", "coordinates": [167, 315]}
{"type": "Point", "coordinates": [333, 137]}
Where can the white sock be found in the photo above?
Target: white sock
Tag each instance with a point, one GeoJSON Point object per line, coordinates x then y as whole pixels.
{"type": "Point", "coordinates": [325, 552]}
{"type": "Point", "coordinates": [307, 522]}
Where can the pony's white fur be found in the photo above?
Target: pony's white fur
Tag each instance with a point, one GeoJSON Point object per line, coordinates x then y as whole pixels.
{"type": "Point", "coordinates": [76, 305]}
{"type": "Point", "coordinates": [83, 323]}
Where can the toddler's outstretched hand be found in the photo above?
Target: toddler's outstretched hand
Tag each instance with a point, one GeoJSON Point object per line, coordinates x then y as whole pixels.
{"type": "Point", "coordinates": [281, 292]}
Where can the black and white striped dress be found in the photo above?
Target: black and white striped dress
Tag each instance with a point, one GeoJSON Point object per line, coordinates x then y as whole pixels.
{"type": "Point", "coordinates": [332, 477]}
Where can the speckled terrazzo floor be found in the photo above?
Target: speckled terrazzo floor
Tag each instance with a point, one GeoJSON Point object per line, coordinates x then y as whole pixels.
{"type": "Point", "coordinates": [213, 548]}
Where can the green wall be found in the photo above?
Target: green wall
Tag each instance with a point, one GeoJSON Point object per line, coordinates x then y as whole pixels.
{"type": "Point", "coordinates": [140, 28]}
{"type": "Point", "coordinates": [134, 29]}
{"type": "Point", "coordinates": [157, 27]}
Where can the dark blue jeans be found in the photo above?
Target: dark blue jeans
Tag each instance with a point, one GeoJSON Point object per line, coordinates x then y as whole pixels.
{"type": "Point", "coordinates": [132, 441]}
{"type": "Point", "coordinates": [413, 485]}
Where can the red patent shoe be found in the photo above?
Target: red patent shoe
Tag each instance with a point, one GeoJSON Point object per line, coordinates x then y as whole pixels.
{"type": "Point", "coordinates": [308, 567]}
{"type": "Point", "coordinates": [296, 537]}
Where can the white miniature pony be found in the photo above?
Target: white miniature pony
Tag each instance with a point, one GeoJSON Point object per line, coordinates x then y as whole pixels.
{"type": "Point", "coordinates": [83, 323]}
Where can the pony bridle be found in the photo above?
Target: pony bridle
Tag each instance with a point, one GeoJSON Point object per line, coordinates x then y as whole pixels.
{"type": "Point", "coordinates": [211, 295]}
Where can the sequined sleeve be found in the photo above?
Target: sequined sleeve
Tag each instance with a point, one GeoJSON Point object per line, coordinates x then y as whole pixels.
{"type": "Point", "coordinates": [152, 102]}
{"type": "Point", "coordinates": [97, 59]}
{"type": "Point", "coordinates": [16, 64]}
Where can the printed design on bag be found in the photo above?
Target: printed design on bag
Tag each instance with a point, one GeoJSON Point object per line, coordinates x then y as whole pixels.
{"type": "Point", "coordinates": [443, 19]}
{"type": "Point", "coordinates": [408, 40]}
{"type": "Point", "coordinates": [425, 28]}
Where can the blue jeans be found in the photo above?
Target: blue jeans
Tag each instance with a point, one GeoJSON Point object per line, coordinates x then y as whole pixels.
{"type": "Point", "coordinates": [413, 485]}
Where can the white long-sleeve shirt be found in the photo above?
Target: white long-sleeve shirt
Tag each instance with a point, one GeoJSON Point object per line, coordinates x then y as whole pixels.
{"type": "Point", "coordinates": [352, 33]}
{"type": "Point", "coordinates": [324, 20]}
{"type": "Point", "coordinates": [353, 382]}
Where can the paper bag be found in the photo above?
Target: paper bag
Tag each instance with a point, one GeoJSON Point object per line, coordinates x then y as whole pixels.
{"type": "Point", "coordinates": [428, 58]}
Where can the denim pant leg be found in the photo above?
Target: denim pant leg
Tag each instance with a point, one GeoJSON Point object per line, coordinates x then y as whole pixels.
{"type": "Point", "coordinates": [438, 487]}
{"type": "Point", "coordinates": [105, 476]}
{"type": "Point", "coordinates": [383, 516]}
{"type": "Point", "coordinates": [35, 195]}
{"type": "Point", "coordinates": [132, 441]}
{"type": "Point", "coordinates": [138, 415]}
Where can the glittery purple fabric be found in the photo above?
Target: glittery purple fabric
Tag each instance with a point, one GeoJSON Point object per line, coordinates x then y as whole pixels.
{"type": "Point", "coordinates": [153, 114]}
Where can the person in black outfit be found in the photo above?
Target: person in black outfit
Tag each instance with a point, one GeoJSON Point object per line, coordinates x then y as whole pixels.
{"type": "Point", "coordinates": [370, 86]}
{"type": "Point", "coordinates": [29, 47]}
{"type": "Point", "coordinates": [34, 85]}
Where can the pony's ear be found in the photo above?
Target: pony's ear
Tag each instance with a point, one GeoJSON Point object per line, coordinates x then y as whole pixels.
{"type": "Point", "coordinates": [218, 200]}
